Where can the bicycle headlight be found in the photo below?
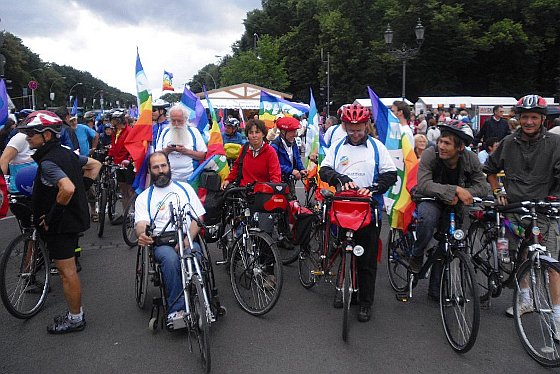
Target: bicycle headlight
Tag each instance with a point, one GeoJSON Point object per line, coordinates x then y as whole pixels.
{"type": "Point", "coordinates": [358, 250]}
{"type": "Point", "coordinates": [459, 234]}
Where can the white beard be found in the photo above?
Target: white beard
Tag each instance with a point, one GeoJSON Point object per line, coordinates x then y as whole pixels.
{"type": "Point", "coordinates": [178, 135]}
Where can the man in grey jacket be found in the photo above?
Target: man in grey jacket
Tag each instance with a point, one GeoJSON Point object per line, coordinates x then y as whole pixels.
{"type": "Point", "coordinates": [453, 176]}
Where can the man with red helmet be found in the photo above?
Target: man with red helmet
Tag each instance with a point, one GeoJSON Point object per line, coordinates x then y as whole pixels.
{"type": "Point", "coordinates": [361, 162]}
{"type": "Point", "coordinates": [530, 158]}
{"type": "Point", "coordinates": [60, 209]}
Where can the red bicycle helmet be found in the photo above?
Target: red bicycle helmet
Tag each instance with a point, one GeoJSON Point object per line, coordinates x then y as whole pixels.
{"type": "Point", "coordinates": [355, 113]}
{"type": "Point", "coordinates": [287, 123]}
{"type": "Point", "coordinates": [41, 120]}
{"type": "Point", "coordinates": [531, 103]}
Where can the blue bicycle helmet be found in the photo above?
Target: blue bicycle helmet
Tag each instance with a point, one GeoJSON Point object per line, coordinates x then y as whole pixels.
{"type": "Point", "coordinates": [25, 178]}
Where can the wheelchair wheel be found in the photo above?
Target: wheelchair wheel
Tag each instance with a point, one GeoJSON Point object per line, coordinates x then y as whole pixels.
{"type": "Point", "coordinates": [142, 274]}
{"type": "Point", "coordinates": [24, 276]}
{"type": "Point", "coordinates": [128, 231]}
{"type": "Point", "coordinates": [201, 321]}
{"type": "Point", "coordinates": [256, 273]}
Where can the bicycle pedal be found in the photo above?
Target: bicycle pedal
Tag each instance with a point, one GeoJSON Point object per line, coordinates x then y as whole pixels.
{"type": "Point", "coordinates": [402, 297]}
{"type": "Point", "coordinates": [224, 262]}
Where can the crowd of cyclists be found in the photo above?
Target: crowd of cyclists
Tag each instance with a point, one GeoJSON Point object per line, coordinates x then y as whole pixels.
{"type": "Point", "coordinates": [456, 164]}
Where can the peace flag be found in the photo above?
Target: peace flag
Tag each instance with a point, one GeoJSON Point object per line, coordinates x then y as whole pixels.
{"type": "Point", "coordinates": [167, 81]}
{"type": "Point", "coordinates": [271, 106]}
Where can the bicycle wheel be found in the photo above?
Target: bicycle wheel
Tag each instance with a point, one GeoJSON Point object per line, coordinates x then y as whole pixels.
{"type": "Point", "coordinates": [538, 331]}
{"type": "Point", "coordinates": [346, 293]}
{"type": "Point", "coordinates": [396, 268]}
{"type": "Point", "coordinates": [101, 211]}
{"type": "Point", "coordinates": [256, 273]}
{"type": "Point", "coordinates": [128, 230]}
{"type": "Point", "coordinates": [201, 321]}
{"type": "Point", "coordinates": [482, 248]}
{"type": "Point", "coordinates": [142, 274]}
{"type": "Point", "coordinates": [24, 276]}
{"type": "Point", "coordinates": [309, 264]}
{"type": "Point", "coordinates": [459, 302]}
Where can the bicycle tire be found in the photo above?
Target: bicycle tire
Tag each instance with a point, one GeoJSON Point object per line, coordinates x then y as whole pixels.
{"type": "Point", "coordinates": [396, 270]}
{"type": "Point", "coordinates": [256, 273]}
{"type": "Point", "coordinates": [482, 249]}
{"type": "Point", "coordinates": [128, 230]}
{"type": "Point", "coordinates": [141, 276]}
{"type": "Point", "coordinates": [201, 322]}
{"type": "Point", "coordinates": [346, 293]}
{"type": "Point", "coordinates": [309, 262]}
{"type": "Point", "coordinates": [17, 288]}
{"type": "Point", "coordinates": [288, 254]}
{"type": "Point", "coordinates": [102, 208]}
{"type": "Point", "coordinates": [458, 294]}
{"type": "Point", "coordinates": [537, 330]}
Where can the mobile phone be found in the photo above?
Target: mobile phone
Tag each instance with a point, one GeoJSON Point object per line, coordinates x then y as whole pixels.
{"type": "Point", "coordinates": [173, 145]}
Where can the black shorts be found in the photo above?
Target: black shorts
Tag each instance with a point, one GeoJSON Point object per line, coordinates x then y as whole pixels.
{"type": "Point", "coordinates": [61, 246]}
{"type": "Point", "coordinates": [126, 175]}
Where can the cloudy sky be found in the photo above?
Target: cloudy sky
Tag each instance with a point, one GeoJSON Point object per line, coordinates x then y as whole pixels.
{"type": "Point", "coordinates": [101, 36]}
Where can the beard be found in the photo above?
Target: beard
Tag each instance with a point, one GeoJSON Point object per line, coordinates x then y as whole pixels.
{"type": "Point", "coordinates": [178, 135]}
{"type": "Point", "coordinates": [161, 179]}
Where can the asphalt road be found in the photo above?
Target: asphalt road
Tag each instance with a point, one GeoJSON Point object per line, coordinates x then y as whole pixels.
{"type": "Point", "coordinates": [302, 334]}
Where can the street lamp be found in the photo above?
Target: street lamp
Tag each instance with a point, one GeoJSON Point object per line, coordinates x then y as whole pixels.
{"type": "Point", "coordinates": [210, 75]}
{"type": "Point", "coordinates": [255, 39]}
{"type": "Point", "coordinates": [51, 93]}
{"type": "Point", "coordinates": [328, 74]}
{"type": "Point", "coordinates": [71, 88]}
{"type": "Point", "coordinates": [404, 53]}
{"type": "Point", "coordinates": [100, 99]}
{"type": "Point", "coordinates": [33, 89]}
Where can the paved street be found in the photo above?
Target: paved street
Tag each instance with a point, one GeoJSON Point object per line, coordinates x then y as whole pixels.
{"type": "Point", "coordinates": [302, 334]}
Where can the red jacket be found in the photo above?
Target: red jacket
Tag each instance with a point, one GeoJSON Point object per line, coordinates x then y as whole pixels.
{"type": "Point", "coordinates": [118, 150]}
{"type": "Point", "coordinates": [263, 168]}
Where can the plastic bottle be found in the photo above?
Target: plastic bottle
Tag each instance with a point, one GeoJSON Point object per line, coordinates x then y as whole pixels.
{"type": "Point", "coordinates": [502, 246]}
{"type": "Point", "coordinates": [452, 223]}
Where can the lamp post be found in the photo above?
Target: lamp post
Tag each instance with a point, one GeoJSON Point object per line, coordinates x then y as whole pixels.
{"type": "Point", "coordinates": [404, 53]}
{"type": "Point", "coordinates": [71, 88]}
{"type": "Point", "coordinates": [51, 93]}
{"type": "Point", "coordinates": [100, 98]}
{"type": "Point", "coordinates": [210, 75]}
{"type": "Point", "coordinates": [328, 74]}
{"type": "Point", "coordinates": [34, 85]}
{"type": "Point", "coordinates": [255, 39]}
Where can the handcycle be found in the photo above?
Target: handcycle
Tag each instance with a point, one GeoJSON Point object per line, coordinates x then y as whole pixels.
{"type": "Point", "coordinates": [199, 290]}
{"type": "Point", "coordinates": [332, 246]}
{"type": "Point", "coordinates": [458, 294]}
{"type": "Point", "coordinates": [539, 276]}
{"type": "Point", "coordinates": [248, 253]}
{"type": "Point", "coordinates": [24, 265]}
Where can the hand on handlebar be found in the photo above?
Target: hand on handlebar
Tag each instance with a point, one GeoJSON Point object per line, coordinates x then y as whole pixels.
{"type": "Point", "coordinates": [349, 186]}
{"type": "Point", "coordinates": [145, 240]}
{"type": "Point", "coordinates": [464, 195]}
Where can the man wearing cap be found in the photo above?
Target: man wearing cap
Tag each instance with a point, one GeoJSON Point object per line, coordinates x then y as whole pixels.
{"type": "Point", "coordinates": [60, 207]}
{"type": "Point", "coordinates": [67, 136]}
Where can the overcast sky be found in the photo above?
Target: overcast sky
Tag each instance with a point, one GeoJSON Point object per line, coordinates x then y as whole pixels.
{"type": "Point", "coordinates": [101, 36]}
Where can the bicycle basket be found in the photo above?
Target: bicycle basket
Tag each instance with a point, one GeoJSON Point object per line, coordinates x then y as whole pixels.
{"type": "Point", "coordinates": [269, 197]}
{"type": "Point", "coordinates": [350, 210]}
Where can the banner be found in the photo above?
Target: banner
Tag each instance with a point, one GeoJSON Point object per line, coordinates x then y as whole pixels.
{"type": "Point", "coordinates": [167, 81]}
{"type": "Point", "coordinates": [271, 106]}
{"type": "Point", "coordinates": [197, 113]}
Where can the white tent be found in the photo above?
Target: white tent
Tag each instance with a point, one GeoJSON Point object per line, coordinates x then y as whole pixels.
{"type": "Point", "coordinates": [243, 95]}
{"type": "Point", "coordinates": [387, 101]}
{"type": "Point", "coordinates": [461, 102]}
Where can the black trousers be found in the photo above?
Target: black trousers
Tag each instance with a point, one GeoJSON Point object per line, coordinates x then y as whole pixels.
{"type": "Point", "coordinates": [367, 237]}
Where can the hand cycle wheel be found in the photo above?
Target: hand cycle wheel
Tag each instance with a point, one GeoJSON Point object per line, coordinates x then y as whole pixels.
{"type": "Point", "coordinates": [201, 321]}
{"type": "Point", "coordinates": [101, 211]}
{"type": "Point", "coordinates": [536, 328]}
{"type": "Point", "coordinates": [346, 291]}
{"type": "Point", "coordinates": [396, 268]}
{"type": "Point", "coordinates": [256, 273]}
{"type": "Point", "coordinates": [128, 230]}
{"type": "Point", "coordinates": [309, 262]}
{"type": "Point", "coordinates": [24, 276]}
{"type": "Point", "coordinates": [141, 276]}
{"type": "Point", "coordinates": [459, 302]}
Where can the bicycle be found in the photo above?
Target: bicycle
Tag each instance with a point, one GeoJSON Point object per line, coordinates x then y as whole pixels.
{"type": "Point", "coordinates": [127, 228]}
{"type": "Point", "coordinates": [332, 245]}
{"type": "Point", "coordinates": [539, 276]}
{"type": "Point", "coordinates": [24, 266]}
{"type": "Point", "coordinates": [250, 255]}
{"type": "Point", "coordinates": [458, 298]}
{"type": "Point", "coordinates": [106, 195]}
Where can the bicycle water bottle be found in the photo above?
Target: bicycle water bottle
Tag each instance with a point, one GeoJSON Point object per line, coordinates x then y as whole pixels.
{"type": "Point", "coordinates": [502, 246]}
{"type": "Point", "coordinates": [452, 223]}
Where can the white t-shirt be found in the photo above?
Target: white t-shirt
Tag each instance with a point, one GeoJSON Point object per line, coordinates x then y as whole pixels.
{"type": "Point", "coordinates": [159, 205]}
{"type": "Point", "coordinates": [182, 166]}
{"type": "Point", "coordinates": [334, 134]}
{"type": "Point", "coordinates": [408, 132]}
{"type": "Point", "coordinates": [358, 163]}
{"type": "Point", "coordinates": [19, 143]}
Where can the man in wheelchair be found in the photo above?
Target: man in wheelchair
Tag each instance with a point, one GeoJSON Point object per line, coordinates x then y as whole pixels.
{"type": "Point", "coordinates": [152, 213]}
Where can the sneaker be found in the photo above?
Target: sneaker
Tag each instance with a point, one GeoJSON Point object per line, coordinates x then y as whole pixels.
{"type": "Point", "coordinates": [416, 263]}
{"type": "Point", "coordinates": [337, 303]}
{"type": "Point", "coordinates": [172, 322]}
{"type": "Point", "coordinates": [63, 324]}
{"type": "Point", "coordinates": [364, 314]}
{"type": "Point", "coordinates": [524, 308]}
{"type": "Point", "coordinates": [94, 217]}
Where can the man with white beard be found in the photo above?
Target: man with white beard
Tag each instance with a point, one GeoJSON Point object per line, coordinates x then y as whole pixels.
{"type": "Point", "coordinates": [183, 144]}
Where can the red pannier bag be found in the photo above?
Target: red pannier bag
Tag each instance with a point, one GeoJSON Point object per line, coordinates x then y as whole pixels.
{"type": "Point", "coordinates": [351, 211]}
{"type": "Point", "coordinates": [269, 197]}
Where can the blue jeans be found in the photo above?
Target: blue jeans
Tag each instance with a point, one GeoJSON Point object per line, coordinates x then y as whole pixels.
{"type": "Point", "coordinates": [170, 266]}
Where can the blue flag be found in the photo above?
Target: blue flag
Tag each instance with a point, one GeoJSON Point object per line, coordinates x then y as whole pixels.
{"type": "Point", "coordinates": [74, 111]}
{"type": "Point", "coordinates": [3, 103]}
{"type": "Point", "coordinates": [197, 113]}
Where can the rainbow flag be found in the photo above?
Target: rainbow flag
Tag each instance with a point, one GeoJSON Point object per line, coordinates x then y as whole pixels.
{"type": "Point", "coordinates": [271, 106]}
{"type": "Point", "coordinates": [197, 113]}
{"type": "Point", "coordinates": [3, 103]}
{"type": "Point", "coordinates": [398, 200]}
{"type": "Point", "coordinates": [218, 163]}
{"type": "Point", "coordinates": [167, 81]}
{"type": "Point", "coordinates": [140, 136]}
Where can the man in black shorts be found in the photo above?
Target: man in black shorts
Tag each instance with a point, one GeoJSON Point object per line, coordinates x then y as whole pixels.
{"type": "Point", "coordinates": [60, 206]}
